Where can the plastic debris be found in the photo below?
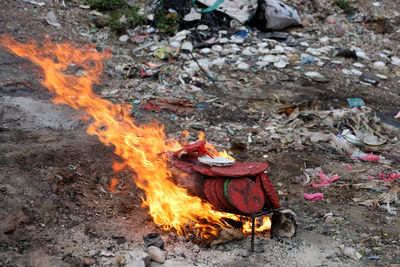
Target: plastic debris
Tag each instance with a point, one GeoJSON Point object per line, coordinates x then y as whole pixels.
{"type": "Point", "coordinates": [314, 197]}
{"type": "Point", "coordinates": [52, 19]}
{"type": "Point", "coordinates": [33, 2]}
{"type": "Point", "coordinates": [278, 16]}
{"type": "Point", "coordinates": [369, 78]}
{"type": "Point", "coordinates": [355, 102]}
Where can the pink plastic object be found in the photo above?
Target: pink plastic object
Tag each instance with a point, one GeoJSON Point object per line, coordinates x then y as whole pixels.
{"type": "Point", "coordinates": [313, 197]}
{"type": "Point", "coordinates": [370, 157]}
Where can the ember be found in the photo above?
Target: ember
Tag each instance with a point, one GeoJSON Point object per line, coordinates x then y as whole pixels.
{"type": "Point", "coordinates": [142, 147]}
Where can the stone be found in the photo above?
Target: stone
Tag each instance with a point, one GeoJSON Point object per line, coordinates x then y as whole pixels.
{"type": "Point", "coordinates": [132, 258]}
{"type": "Point", "coordinates": [153, 239]}
{"type": "Point", "coordinates": [156, 254]}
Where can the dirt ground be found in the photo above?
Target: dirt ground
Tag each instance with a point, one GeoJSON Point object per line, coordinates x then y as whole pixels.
{"type": "Point", "coordinates": [56, 208]}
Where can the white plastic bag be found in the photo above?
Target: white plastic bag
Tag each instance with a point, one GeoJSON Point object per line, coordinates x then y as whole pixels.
{"type": "Point", "coordinates": [237, 9]}
{"type": "Point", "coordinates": [279, 15]}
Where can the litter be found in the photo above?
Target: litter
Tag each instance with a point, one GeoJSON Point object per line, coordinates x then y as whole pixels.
{"type": "Point", "coordinates": [33, 2]}
{"type": "Point", "coordinates": [276, 16]}
{"type": "Point", "coordinates": [314, 197]}
{"type": "Point", "coordinates": [52, 19]}
{"type": "Point", "coordinates": [355, 102]}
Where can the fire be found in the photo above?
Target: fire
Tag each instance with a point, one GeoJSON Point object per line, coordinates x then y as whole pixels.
{"type": "Point", "coordinates": [212, 149]}
{"type": "Point", "coordinates": [139, 146]}
{"type": "Point", "coordinates": [265, 225]}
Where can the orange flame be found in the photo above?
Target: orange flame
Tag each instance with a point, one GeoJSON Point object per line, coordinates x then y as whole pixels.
{"type": "Point", "coordinates": [265, 225]}
{"type": "Point", "coordinates": [139, 146]}
{"type": "Point", "coordinates": [212, 149]}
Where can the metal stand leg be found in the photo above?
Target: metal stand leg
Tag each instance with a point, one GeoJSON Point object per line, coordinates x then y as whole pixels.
{"type": "Point", "coordinates": [253, 222]}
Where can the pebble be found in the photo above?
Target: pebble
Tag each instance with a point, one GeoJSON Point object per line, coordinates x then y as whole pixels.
{"type": "Point", "coordinates": [156, 254]}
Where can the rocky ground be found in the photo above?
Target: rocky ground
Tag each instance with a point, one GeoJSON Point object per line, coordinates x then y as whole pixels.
{"type": "Point", "coordinates": [266, 105]}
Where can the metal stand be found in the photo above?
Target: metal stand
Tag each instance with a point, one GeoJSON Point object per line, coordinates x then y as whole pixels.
{"type": "Point", "coordinates": [253, 222]}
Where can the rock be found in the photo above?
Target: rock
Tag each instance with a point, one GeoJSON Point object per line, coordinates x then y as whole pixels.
{"type": "Point", "coordinates": [88, 261]}
{"type": "Point", "coordinates": [124, 38]}
{"type": "Point", "coordinates": [153, 239]}
{"type": "Point", "coordinates": [179, 252]}
{"type": "Point", "coordinates": [156, 254]}
{"type": "Point", "coordinates": [132, 258]}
